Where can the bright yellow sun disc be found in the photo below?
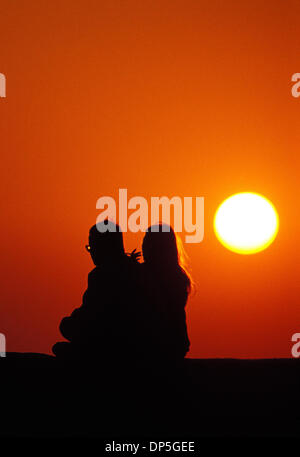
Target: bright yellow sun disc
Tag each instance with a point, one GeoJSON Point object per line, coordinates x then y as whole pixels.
{"type": "Point", "coordinates": [246, 223]}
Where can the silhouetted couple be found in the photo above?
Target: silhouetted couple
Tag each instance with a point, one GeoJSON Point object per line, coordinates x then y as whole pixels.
{"type": "Point", "coordinates": [130, 311]}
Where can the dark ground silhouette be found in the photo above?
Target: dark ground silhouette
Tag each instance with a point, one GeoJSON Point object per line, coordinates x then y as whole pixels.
{"type": "Point", "coordinates": [222, 397]}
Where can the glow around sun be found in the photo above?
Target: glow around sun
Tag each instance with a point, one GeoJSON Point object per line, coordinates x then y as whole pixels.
{"type": "Point", "coordinates": [246, 223]}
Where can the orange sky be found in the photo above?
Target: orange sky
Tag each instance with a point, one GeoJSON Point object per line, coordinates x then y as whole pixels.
{"type": "Point", "coordinates": [163, 98]}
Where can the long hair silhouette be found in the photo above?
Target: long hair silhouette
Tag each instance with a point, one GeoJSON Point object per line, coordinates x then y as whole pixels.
{"type": "Point", "coordinates": [164, 251]}
{"type": "Point", "coordinates": [168, 285]}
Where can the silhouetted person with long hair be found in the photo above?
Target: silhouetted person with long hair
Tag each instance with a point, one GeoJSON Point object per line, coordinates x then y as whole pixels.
{"type": "Point", "coordinates": [104, 326]}
{"type": "Point", "coordinates": [166, 289]}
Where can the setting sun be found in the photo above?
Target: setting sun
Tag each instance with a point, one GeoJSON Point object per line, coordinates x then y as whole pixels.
{"type": "Point", "coordinates": [246, 223]}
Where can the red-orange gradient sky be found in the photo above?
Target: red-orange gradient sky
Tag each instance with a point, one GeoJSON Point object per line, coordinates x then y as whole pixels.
{"type": "Point", "coordinates": [163, 98]}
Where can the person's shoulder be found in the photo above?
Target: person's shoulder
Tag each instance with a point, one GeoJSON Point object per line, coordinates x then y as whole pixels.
{"type": "Point", "coordinates": [132, 263]}
{"type": "Point", "coordinates": [131, 270]}
{"type": "Point", "coordinates": [94, 274]}
{"type": "Point", "coordinates": [144, 270]}
{"type": "Point", "coordinates": [144, 274]}
{"type": "Point", "coordinates": [147, 270]}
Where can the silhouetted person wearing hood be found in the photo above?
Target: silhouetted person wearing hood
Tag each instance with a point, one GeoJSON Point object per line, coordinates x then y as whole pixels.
{"type": "Point", "coordinates": [105, 323]}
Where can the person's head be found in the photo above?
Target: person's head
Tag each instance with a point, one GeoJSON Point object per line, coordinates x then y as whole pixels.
{"type": "Point", "coordinates": [163, 251]}
{"type": "Point", "coordinates": [160, 246]}
{"type": "Point", "coordinates": [105, 242]}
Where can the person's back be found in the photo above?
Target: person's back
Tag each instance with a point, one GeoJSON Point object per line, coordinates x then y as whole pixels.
{"type": "Point", "coordinates": [166, 288]}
